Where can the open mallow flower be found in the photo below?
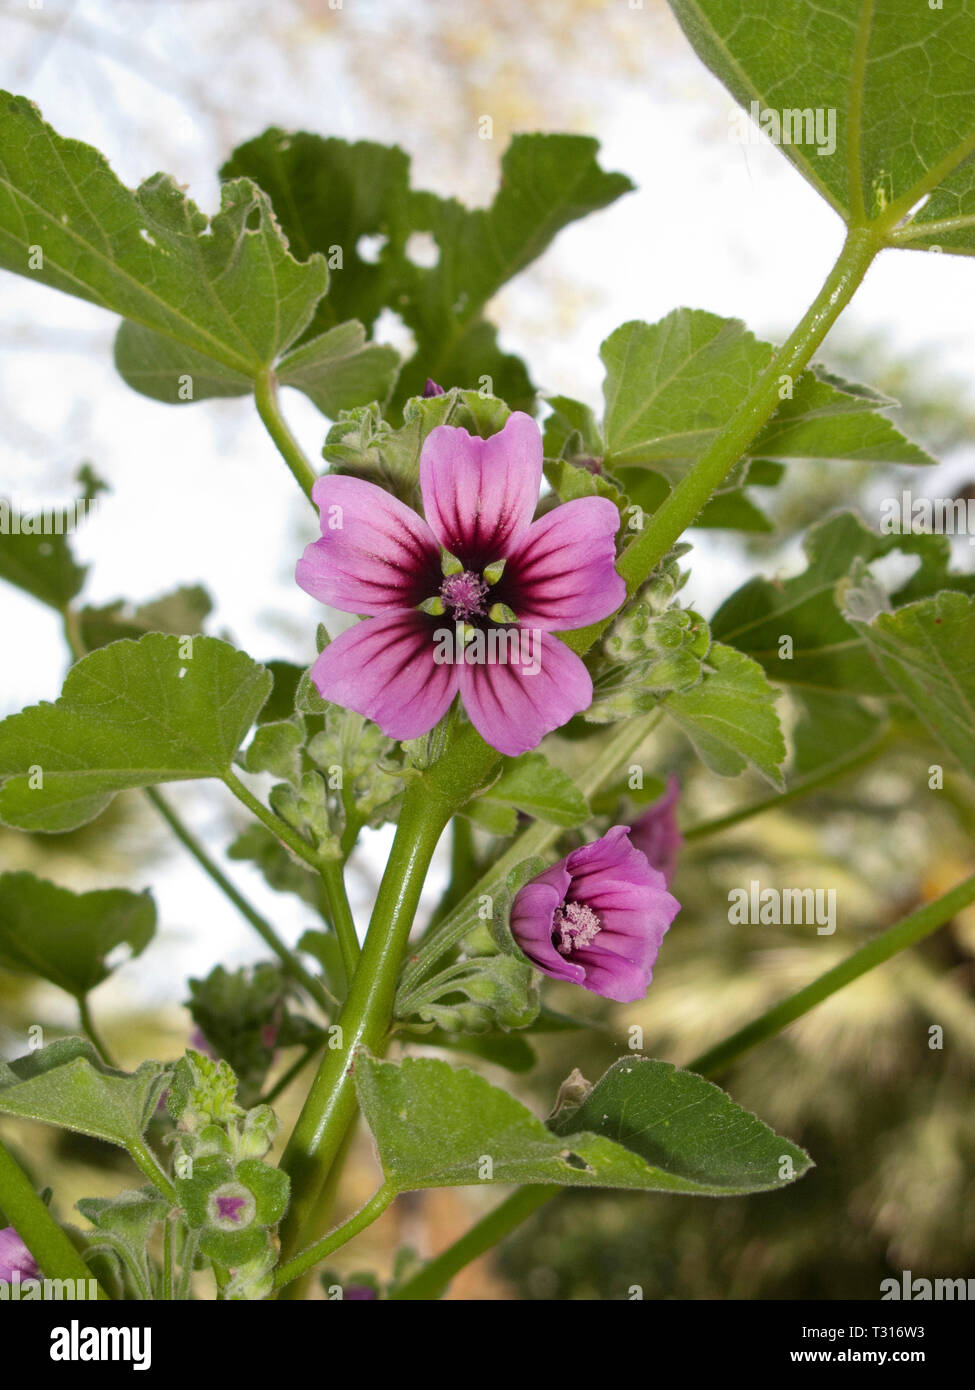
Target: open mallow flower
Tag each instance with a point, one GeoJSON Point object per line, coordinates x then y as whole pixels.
{"type": "Point", "coordinates": [467, 600]}
{"type": "Point", "coordinates": [596, 918]}
{"type": "Point", "coordinates": [15, 1258]}
{"type": "Point", "coordinates": [655, 832]}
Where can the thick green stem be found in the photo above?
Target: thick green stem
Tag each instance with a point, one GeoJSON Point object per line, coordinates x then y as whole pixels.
{"type": "Point", "coordinates": [265, 931]}
{"type": "Point", "coordinates": [37, 1228]}
{"type": "Point", "coordinates": [331, 1104]}
{"type": "Point", "coordinates": [432, 1280]}
{"type": "Point", "coordinates": [266, 397]}
{"type": "Point", "coordinates": [307, 1259]}
{"type": "Point", "coordinates": [908, 932]}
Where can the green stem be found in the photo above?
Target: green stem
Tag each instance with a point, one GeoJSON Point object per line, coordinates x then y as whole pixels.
{"type": "Point", "coordinates": [187, 1260]}
{"type": "Point", "coordinates": [432, 1280]}
{"type": "Point", "coordinates": [168, 1289]}
{"type": "Point", "coordinates": [286, 1078]}
{"type": "Point", "coordinates": [88, 1026]}
{"type": "Point", "coordinates": [307, 1259]}
{"type": "Point", "coordinates": [279, 828]}
{"type": "Point", "coordinates": [681, 507]}
{"type": "Point", "coordinates": [142, 1155]}
{"type": "Point", "coordinates": [320, 1219]}
{"type": "Point", "coordinates": [265, 931]}
{"type": "Point", "coordinates": [907, 932]}
{"type": "Point", "coordinates": [331, 1104]}
{"type": "Point", "coordinates": [37, 1228]}
{"type": "Point", "coordinates": [266, 397]}
{"type": "Point", "coordinates": [340, 914]}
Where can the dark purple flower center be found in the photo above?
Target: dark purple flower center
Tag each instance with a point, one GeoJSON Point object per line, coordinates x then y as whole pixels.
{"type": "Point", "coordinates": [574, 925]}
{"type": "Point", "coordinates": [228, 1208]}
{"type": "Point", "coordinates": [463, 595]}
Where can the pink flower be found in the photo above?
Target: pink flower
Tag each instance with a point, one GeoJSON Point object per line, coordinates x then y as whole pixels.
{"type": "Point", "coordinates": [15, 1257]}
{"type": "Point", "coordinates": [596, 918]}
{"type": "Point", "coordinates": [655, 832]}
{"type": "Point", "coordinates": [379, 558]}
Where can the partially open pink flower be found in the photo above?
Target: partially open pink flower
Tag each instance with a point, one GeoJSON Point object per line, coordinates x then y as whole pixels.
{"type": "Point", "coordinates": [15, 1257]}
{"type": "Point", "coordinates": [596, 918]}
{"type": "Point", "coordinates": [379, 558]}
{"type": "Point", "coordinates": [655, 832]}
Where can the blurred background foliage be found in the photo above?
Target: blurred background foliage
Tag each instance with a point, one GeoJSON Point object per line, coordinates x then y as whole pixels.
{"type": "Point", "coordinates": [887, 1118]}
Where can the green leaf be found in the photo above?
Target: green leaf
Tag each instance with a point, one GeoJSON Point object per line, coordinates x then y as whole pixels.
{"type": "Point", "coordinates": [67, 1084]}
{"type": "Point", "coordinates": [826, 652]}
{"type": "Point", "coordinates": [899, 81]}
{"type": "Point", "coordinates": [730, 716]}
{"type": "Point", "coordinates": [130, 1214]}
{"type": "Point", "coordinates": [41, 562]}
{"type": "Point", "coordinates": [531, 784]}
{"type": "Point", "coordinates": [328, 195]}
{"type": "Point", "coordinates": [832, 729]}
{"type": "Point", "coordinates": [131, 715]}
{"type": "Point", "coordinates": [927, 652]}
{"type": "Point", "coordinates": [182, 612]}
{"type": "Point", "coordinates": [339, 369]}
{"type": "Point", "coordinates": [277, 748]}
{"type": "Point", "coordinates": [66, 937]}
{"type": "Point", "coordinates": [225, 291]}
{"type": "Point", "coordinates": [646, 1126]}
{"type": "Point", "coordinates": [672, 386]}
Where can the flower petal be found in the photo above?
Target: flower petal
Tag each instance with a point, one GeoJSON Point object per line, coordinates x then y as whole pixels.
{"type": "Point", "coordinates": [531, 924]}
{"type": "Point", "coordinates": [655, 832]}
{"type": "Point", "coordinates": [479, 495]}
{"type": "Point", "coordinates": [375, 553]}
{"type": "Point", "coordinates": [15, 1258]}
{"type": "Point", "coordinates": [608, 974]}
{"type": "Point", "coordinates": [514, 704]}
{"type": "Point", "coordinates": [562, 573]}
{"type": "Point", "coordinates": [384, 668]}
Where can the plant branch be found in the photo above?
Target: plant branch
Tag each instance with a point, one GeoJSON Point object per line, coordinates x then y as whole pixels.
{"type": "Point", "coordinates": [307, 1259]}
{"type": "Point", "coordinates": [432, 1280]}
{"type": "Point", "coordinates": [907, 932]}
{"type": "Point", "coordinates": [88, 1026]}
{"type": "Point", "coordinates": [269, 409]}
{"type": "Point", "coordinates": [37, 1228]}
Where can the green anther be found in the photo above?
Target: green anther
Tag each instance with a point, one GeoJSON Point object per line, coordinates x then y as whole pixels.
{"type": "Point", "coordinates": [501, 613]}
{"type": "Point", "coordinates": [434, 606]}
{"type": "Point", "coordinates": [493, 572]}
{"type": "Point", "coordinates": [449, 564]}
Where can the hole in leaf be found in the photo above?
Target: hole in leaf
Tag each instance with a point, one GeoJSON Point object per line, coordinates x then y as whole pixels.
{"type": "Point", "coordinates": [422, 249]}
{"type": "Point", "coordinates": [369, 247]}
